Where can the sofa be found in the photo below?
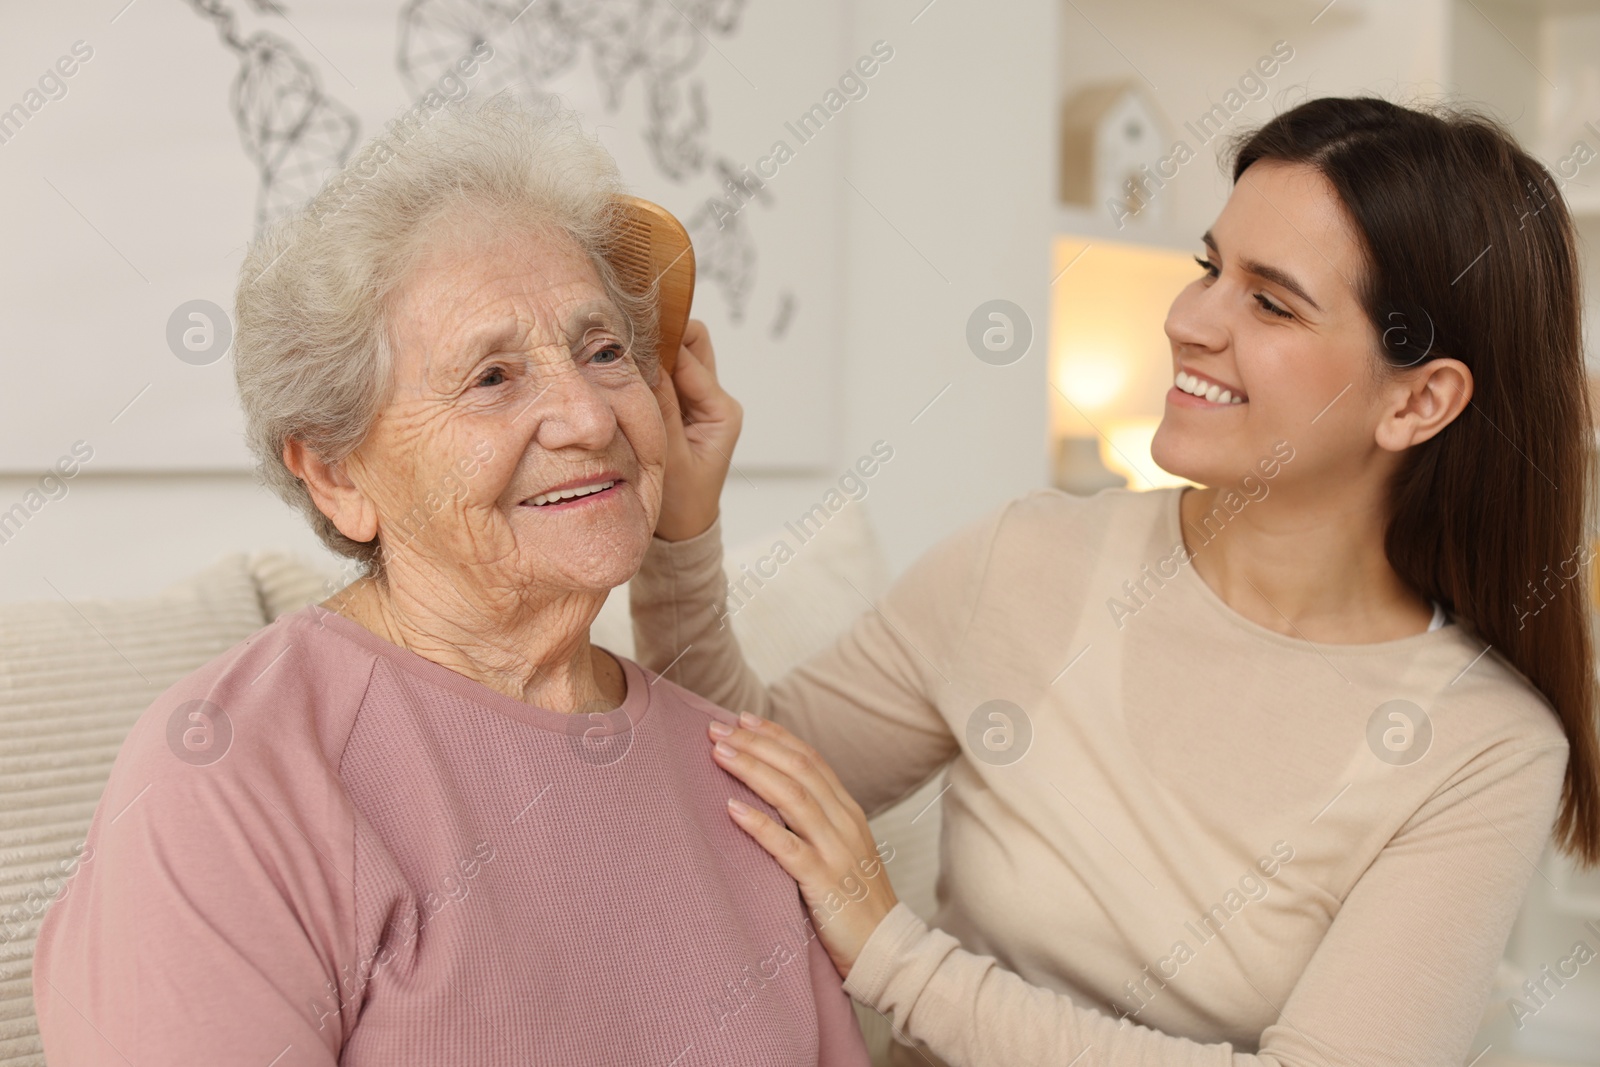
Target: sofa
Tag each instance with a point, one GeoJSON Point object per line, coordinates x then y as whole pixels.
{"type": "Point", "coordinates": [74, 677]}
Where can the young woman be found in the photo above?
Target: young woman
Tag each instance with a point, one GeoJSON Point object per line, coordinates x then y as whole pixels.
{"type": "Point", "coordinates": [1213, 769]}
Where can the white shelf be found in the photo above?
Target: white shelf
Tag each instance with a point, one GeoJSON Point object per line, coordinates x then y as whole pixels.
{"type": "Point", "coordinates": [1079, 221]}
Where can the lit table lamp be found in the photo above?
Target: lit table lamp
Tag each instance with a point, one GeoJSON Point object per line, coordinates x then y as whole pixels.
{"type": "Point", "coordinates": [1079, 469]}
{"type": "Point", "coordinates": [1110, 360]}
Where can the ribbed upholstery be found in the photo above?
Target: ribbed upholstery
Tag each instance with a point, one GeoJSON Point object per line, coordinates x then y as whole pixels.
{"type": "Point", "coordinates": [288, 583]}
{"type": "Point", "coordinates": [73, 678]}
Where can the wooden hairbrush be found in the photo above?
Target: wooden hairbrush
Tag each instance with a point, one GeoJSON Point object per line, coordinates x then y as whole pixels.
{"type": "Point", "coordinates": [653, 249]}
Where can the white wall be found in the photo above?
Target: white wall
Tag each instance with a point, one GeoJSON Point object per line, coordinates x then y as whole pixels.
{"type": "Point", "coordinates": [955, 172]}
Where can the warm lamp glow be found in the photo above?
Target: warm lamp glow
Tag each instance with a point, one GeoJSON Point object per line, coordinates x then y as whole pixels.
{"type": "Point", "coordinates": [1110, 360]}
{"type": "Point", "coordinates": [1092, 381]}
{"type": "Point", "coordinates": [1128, 453]}
{"type": "Point", "coordinates": [1108, 352]}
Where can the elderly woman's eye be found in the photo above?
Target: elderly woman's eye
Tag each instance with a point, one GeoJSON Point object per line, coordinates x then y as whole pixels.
{"type": "Point", "coordinates": [608, 355]}
{"type": "Point", "coordinates": [495, 376]}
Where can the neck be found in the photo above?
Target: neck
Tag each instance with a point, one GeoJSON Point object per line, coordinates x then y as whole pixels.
{"type": "Point", "coordinates": [531, 649]}
{"type": "Point", "coordinates": [1308, 564]}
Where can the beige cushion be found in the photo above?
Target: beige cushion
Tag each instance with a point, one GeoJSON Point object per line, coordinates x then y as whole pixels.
{"type": "Point", "coordinates": [288, 583]}
{"type": "Point", "coordinates": [73, 678]}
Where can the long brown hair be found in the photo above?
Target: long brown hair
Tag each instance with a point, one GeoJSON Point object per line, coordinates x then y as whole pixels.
{"type": "Point", "coordinates": [1470, 253]}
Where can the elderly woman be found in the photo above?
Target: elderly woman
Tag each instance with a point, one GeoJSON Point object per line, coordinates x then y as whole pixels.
{"type": "Point", "coordinates": [427, 821]}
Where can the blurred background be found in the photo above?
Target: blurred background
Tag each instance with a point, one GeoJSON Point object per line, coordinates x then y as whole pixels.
{"type": "Point", "coordinates": [964, 251]}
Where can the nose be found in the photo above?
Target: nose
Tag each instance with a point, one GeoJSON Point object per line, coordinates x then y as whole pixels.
{"type": "Point", "coordinates": [571, 411]}
{"type": "Point", "coordinates": [1193, 320]}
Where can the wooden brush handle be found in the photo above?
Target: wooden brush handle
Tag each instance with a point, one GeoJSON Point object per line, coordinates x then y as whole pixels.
{"type": "Point", "coordinates": [654, 249]}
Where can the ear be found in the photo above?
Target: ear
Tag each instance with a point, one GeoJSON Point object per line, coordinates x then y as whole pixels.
{"type": "Point", "coordinates": [1422, 401]}
{"type": "Point", "coordinates": [335, 495]}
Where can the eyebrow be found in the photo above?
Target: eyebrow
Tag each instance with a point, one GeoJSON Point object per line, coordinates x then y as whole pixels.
{"type": "Point", "coordinates": [1265, 270]}
{"type": "Point", "coordinates": [602, 313]}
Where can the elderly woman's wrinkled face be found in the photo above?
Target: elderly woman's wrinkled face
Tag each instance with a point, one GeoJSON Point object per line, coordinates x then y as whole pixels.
{"type": "Point", "coordinates": [522, 448]}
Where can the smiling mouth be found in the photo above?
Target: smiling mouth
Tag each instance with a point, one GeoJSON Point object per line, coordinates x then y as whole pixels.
{"type": "Point", "coordinates": [1206, 389]}
{"type": "Point", "coordinates": [567, 496]}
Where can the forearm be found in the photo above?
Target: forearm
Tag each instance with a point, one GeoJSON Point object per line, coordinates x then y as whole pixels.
{"type": "Point", "coordinates": [680, 628]}
{"type": "Point", "coordinates": [969, 1010]}
{"type": "Point", "coordinates": [863, 702]}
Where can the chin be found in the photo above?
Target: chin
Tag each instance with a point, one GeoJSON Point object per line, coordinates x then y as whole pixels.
{"type": "Point", "coordinates": [1218, 463]}
{"type": "Point", "coordinates": [1183, 458]}
{"type": "Point", "coordinates": [596, 563]}
{"type": "Point", "coordinates": [595, 543]}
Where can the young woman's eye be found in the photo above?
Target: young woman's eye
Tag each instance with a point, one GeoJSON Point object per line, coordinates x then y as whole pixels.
{"type": "Point", "coordinates": [1206, 265]}
{"type": "Point", "coordinates": [495, 376]}
{"type": "Point", "coordinates": [1267, 305]}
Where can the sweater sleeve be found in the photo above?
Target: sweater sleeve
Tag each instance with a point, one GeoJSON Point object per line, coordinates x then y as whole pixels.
{"type": "Point", "coordinates": [207, 923]}
{"type": "Point", "coordinates": [868, 703]}
{"type": "Point", "coordinates": [1399, 980]}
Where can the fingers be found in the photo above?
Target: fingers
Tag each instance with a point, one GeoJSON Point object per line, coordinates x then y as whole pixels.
{"type": "Point", "coordinates": [702, 424]}
{"type": "Point", "coordinates": [792, 854]}
{"type": "Point", "coordinates": [667, 396]}
{"type": "Point", "coordinates": [702, 398]}
{"type": "Point", "coordinates": [691, 382]}
{"type": "Point", "coordinates": [803, 805]}
{"type": "Point", "coordinates": [690, 379]}
{"type": "Point", "coordinates": [801, 755]}
{"type": "Point", "coordinates": [792, 777]}
{"type": "Point", "coordinates": [697, 339]}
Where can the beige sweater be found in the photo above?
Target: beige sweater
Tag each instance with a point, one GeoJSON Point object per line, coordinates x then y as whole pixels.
{"type": "Point", "coordinates": [1199, 855]}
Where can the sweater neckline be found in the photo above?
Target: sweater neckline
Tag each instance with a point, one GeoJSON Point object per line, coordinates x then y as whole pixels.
{"type": "Point", "coordinates": [580, 726]}
{"type": "Point", "coordinates": [1173, 519]}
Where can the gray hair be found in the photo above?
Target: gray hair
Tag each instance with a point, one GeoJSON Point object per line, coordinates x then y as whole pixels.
{"type": "Point", "coordinates": [313, 355]}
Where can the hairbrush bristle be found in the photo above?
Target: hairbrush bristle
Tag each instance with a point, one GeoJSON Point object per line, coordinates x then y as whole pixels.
{"type": "Point", "coordinates": [652, 251]}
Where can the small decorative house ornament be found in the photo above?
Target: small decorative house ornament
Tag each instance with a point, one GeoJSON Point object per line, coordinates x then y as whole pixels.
{"type": "Point", "coordinates": [1114, 147]}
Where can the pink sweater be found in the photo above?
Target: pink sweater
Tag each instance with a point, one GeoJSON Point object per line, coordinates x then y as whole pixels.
{"type": "Point", "coordinates": [350, 854]}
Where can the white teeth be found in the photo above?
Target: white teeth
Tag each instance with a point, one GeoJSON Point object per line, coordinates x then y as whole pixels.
{"type": "Point", "coordinates": [571, 494]}
{"type": "Point", "coordinates": [1197, 387]}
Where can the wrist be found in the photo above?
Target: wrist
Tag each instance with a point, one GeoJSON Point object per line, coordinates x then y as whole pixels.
{"type": "Point", "coordinates": [685, 527]}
